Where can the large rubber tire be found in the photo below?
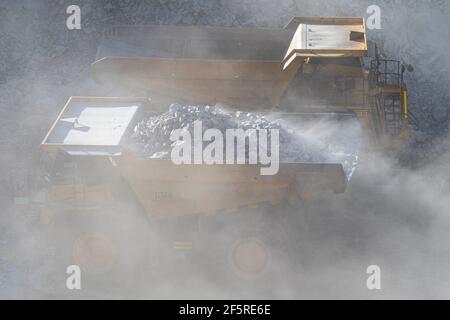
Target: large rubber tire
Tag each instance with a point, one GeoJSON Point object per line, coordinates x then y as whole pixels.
{"type": "Point", "coordinates": [251, 250]}
{"type": "Point", "coordinates": [111, 247]}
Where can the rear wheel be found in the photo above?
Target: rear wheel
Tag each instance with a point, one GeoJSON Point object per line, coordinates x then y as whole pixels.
{"type": "Point", "coordinates": [253, 249]}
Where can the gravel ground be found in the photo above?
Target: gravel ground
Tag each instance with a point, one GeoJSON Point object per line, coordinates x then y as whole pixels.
{"type": "Point", "coordinates": [42, 64]}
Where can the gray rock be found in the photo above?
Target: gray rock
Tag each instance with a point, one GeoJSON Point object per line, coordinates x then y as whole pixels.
{"type": "Point", "coordinates": [151, 137]}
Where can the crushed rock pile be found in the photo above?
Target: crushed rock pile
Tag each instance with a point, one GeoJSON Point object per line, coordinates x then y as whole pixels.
{"type": "Point", "coordinates": [151, 137]}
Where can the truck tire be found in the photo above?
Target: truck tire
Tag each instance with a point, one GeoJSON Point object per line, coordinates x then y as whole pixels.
{"type": "Point", "coordinates": [109, 245]}
{"type": "Point", "coordinates": [251, 247]}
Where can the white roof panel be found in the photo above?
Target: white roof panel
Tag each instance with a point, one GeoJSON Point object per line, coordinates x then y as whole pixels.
{"type": "Point", "coordinates": [326, 37]}
{"type": "Point", "coordinates": [91, 122]}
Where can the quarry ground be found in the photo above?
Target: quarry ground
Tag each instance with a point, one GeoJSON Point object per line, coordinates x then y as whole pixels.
{"type": "Point", "coordinates": [395, 216]}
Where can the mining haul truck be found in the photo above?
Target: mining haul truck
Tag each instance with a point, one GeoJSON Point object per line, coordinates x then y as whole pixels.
{"type": "Point", "coordinates": [314, 68]}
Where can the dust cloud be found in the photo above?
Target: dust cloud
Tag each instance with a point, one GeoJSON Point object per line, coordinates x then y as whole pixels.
{"type": "Point", "coordinates": [392, 215]}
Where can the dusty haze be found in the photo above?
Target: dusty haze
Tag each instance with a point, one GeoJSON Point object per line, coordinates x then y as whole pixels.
{"type": "Point", "coordinates": [395, 213]}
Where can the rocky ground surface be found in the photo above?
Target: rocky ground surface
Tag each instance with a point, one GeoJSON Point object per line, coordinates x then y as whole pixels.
{"type": "Point", "coordinates": [42, 63]}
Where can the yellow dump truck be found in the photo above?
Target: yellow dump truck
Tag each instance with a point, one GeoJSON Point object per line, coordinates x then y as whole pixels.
{"type": "Point", "coordinates": [315, 68]}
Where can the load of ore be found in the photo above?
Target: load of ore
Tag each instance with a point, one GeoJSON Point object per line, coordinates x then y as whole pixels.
{"type": "Point", "coordinates": [151, 137]}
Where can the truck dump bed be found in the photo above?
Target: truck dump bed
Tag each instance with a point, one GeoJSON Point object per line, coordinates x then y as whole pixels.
{"type": "Point", "coordinates": [242, 68]}
{"type": "Point", "coordinates": [98, 127]}
{"type": "Point", "coordinates": [248, 68]}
